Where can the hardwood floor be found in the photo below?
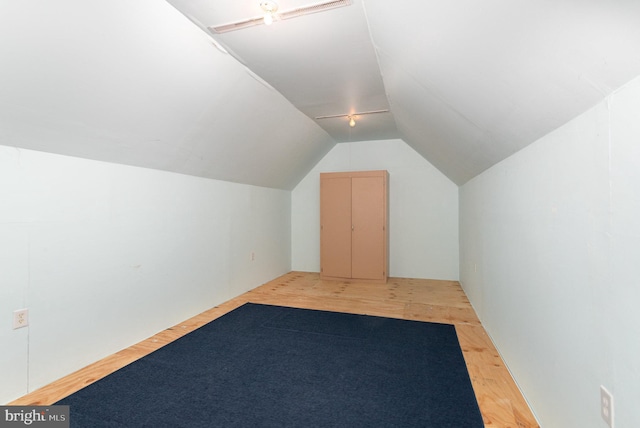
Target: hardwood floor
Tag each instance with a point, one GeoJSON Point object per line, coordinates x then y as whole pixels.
{"type": "Point", "coordinates": [501, 403]}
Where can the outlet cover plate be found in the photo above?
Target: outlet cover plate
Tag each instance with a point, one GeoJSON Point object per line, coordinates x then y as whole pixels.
{"type": "Point", "coordinates": [606, 406]}
{"type": "Point", "coordinates": [20, 318]}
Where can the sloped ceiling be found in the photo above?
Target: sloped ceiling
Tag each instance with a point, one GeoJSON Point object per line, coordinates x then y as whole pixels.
{"type": "Point", "coordinates": [466, 83]}
{"type": "Point", "coordinates": [134, 82]}
{"type": "Point", "coordinates": [472, 82]}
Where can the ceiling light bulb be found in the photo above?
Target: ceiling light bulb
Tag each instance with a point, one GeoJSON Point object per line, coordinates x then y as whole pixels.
{"type": "Point", "coordinates": [352, 122]}
{"type": "Point", "coordinates": [269, 8]}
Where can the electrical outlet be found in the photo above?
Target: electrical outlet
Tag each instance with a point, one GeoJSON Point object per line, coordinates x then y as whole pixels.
{"type": "Point", "coordinates": [606, 406]}
{"type": "Point", "coordinates": [252, 256]}
{"type": "Point", "coordinates": [20, 318]}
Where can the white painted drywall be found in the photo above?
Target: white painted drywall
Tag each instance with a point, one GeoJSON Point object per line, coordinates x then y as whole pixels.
{"type": "Point", "coordinates": [106, 255]}
{"type": "Point", "coordinates": [137, 83]}
{"type": "Point", "coordinates": [423, 210]}
{"type": "Point", "coordinates": [550, 245]}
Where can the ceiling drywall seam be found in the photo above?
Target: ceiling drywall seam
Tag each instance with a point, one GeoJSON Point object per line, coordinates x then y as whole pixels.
{"type": "Point", "coordinates": [427, 87]}
{"type": "Point", "coordinates": [375, 50]}
{"type": "Point", "coordinates": [224, 49]}
{"type": "Point", "coordinates": [260, 80]}
{"type": "Point", "coordinates": [458, 177]}
{"type": "Point", "coordinates": [381, 53]}
{"type": "Point", "coordinates": [603, 89]}
{"type": "Point", "coordinates": [205, 33]}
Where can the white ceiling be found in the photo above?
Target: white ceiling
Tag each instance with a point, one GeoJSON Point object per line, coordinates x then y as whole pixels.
{"type": "Point", "coordinates": [467, 82]}
{"type": "Point", "coordinates": [323, 63]}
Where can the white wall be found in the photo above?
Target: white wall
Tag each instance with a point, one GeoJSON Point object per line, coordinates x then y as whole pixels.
{"type": "Point", "coordinates": [423, 210]}
{"type": "Point", "coordinates": [550, 251]}
{"type": "Point", "coordinates": [105, 255]}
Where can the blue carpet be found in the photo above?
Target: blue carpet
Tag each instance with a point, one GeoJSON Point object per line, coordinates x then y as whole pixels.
{"type": "Point", "coordinates": [272, 366]}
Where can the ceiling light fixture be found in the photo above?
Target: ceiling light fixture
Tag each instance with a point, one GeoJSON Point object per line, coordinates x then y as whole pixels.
{"type": "Point", "coordinates": [352, 116]}
{"type": "Point", "coordinates": [269, 8]}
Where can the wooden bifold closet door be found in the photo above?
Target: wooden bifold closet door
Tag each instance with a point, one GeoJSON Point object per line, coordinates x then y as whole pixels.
{"type": "Point", "coordinates": [353, 225]}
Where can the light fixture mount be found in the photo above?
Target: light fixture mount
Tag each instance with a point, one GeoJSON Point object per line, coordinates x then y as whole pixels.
{"type": "Point", "coordinates": [269, 6]}
{"type": "Point", "coordinates": [352, 116]}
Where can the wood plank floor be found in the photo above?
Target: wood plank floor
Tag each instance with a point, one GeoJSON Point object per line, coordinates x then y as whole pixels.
{"type": "Point", "coordinates": [501, 403]}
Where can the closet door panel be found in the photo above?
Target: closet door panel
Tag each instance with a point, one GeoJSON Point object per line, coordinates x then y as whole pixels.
{"type": "Point", "coordinates": [335, 229]}
{"type": "Point", "coordinates": [368, 237]}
